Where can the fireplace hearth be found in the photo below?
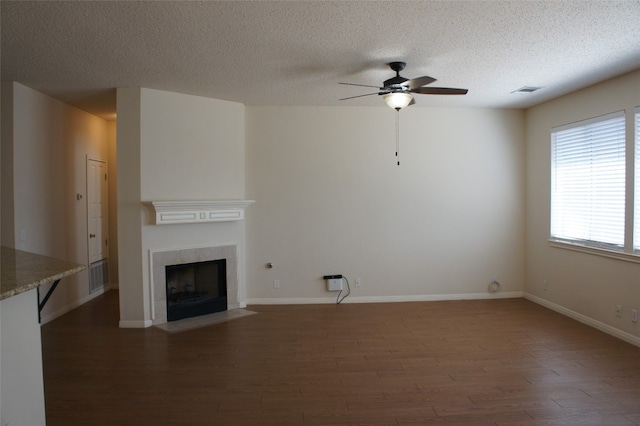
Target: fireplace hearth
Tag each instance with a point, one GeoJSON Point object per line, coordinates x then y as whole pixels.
{"type": "Point", "coordinates": [194, 289]}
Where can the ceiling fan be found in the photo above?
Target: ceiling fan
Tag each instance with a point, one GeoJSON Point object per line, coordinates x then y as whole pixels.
{"type": "Point", "coordinates": [397, 91]}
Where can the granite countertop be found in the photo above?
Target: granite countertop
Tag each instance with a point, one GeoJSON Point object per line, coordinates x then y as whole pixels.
{"type": "Point", "coordinates": [23, 271]}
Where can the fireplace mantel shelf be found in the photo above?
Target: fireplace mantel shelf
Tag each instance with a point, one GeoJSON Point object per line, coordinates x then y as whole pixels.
{"type": "Point", "coordinates": [177, 212]}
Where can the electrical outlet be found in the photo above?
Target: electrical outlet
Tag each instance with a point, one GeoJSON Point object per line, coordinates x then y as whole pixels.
{"type": "Point", "coordinates": [276, 283]}
{"type": "Point", "coordinates": [634, 315]}
{"type": "Point", "coordinates": [358, 282]}
{"type": "Point", "coordinates": [545, 285]}
{"type": "Point", "coordinates": [619, 311]}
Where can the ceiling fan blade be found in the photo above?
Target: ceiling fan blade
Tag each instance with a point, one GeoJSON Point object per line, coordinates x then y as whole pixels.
{"type": "Point", "coordinates": [414, 83]}
{"type": "Point", "coordinates": [359, 85]}
{"type": "Point", "coordinates": [439, 91]}
{"type": "Point", "coordinates": [359, 96]}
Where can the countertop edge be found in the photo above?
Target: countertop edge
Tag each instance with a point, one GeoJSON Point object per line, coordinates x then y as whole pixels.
{"type": "Point", "coordinates": [23, 271]}
{"type": "Point", "coordinates": [23, 289]}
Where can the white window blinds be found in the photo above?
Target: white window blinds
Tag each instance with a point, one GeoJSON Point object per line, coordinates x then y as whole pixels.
{"type": "Point", "coordinates": [588, 181]}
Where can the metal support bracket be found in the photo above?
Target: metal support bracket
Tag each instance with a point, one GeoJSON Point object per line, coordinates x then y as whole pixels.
{"type": "Point", "coordinates": [46, 297]}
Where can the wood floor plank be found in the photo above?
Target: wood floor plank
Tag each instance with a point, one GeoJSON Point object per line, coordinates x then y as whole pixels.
{"type": "Point", "coordinates": [478, 362]}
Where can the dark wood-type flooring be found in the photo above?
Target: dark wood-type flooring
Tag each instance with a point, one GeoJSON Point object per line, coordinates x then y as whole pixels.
{"type": "Point", "coordinates": [492, 362]}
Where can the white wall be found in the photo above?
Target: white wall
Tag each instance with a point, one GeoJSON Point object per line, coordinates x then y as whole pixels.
{"type": "Point", "coordinates": [583, 284]}
{"type": "Point", "coordinates": [2, 372]}
{"type": "Point", "coordinates": [2, 129]}
{"type": "Point", "coordinates": [7, 224]}
{"type": "Point", "coordinates": [22, 386]}
{"type": "Point", "coordinates": [192, 147]}
{"type": "Point", "coordinates": [187, 148]}
{"type": "Point", "coordinates": [111, 138]}
{"type": "Point", "coordinates": [133, 306]}
{"type": "Point", "coordinates": [330, 199]}
{"type": "Point", "coordinates": [50, 141]}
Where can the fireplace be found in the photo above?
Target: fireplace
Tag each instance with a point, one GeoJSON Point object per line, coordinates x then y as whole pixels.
{"type": "Point", "coordinates": [185, 258]}
{"type": "Point", "coordinates": [194, 289]}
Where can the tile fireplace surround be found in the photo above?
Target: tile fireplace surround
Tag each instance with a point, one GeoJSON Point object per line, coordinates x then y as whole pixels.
{"type": "Point", "coordinates": [162, 258]}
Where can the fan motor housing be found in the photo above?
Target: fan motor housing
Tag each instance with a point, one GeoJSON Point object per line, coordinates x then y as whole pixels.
{"type": "Point", "coordinates": [398, 79]}
{"type": "Point", "coordinates": [395, 81]}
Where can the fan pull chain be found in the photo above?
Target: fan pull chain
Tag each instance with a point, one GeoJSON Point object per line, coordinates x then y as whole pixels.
{"type": "Point", "coordinates": [398, 136]}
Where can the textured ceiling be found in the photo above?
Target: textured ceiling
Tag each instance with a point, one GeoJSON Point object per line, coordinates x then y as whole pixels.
{"type": "Point", "coordinates": [296, 53]}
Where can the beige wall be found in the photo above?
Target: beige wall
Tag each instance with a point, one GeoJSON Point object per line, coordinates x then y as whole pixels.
{"type": "Point", "coordinates": [173, 147]}
{"type": "Point", "coordinates": [330, 199]}
{"type": "Point", "coordinates": [583, 285]}
{"type": "Point", "coordinates": [50, 142]}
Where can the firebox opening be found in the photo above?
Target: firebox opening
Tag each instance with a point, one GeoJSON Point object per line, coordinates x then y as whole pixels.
{"type": "Point", "coordinates": [194, 289]}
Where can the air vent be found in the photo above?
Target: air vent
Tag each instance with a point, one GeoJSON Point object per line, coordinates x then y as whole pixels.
{"type": "Point", "coordinates": [527, 89]}
{"type": "Point", "coordinates": [98, 275]}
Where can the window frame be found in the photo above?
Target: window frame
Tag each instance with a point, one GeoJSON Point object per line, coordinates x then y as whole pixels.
{"type": "Point", "coordinates": [628, 251]}
{"type": "Point", "coordinates": [633, 134]}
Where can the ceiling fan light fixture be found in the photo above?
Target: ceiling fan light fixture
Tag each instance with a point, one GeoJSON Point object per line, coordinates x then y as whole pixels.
{"type": "Point", "coordinates": [398, 100]}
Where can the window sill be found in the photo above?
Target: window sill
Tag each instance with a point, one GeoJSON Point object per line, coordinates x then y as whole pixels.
{"type": "Point", "coordinates": [612, 254]}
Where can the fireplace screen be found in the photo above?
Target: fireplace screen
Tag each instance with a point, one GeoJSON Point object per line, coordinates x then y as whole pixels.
{"type": "Point", "coordinates": [196, 289]}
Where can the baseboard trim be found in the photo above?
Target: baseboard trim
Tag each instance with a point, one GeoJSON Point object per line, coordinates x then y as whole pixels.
{"type": "Point", "coordinates": [605, 328]}
{"type": "Point", "coordinates": [135, 324]}
{"type": "Point", "coordinates": [71, 306]}
{"type": "Point", "coordinates": [384, 299]}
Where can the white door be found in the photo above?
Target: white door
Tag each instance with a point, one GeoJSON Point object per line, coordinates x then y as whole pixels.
{"type": "Point", "coordinates": [97, 209]}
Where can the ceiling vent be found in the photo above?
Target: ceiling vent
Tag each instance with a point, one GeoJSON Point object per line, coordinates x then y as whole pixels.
{"type": "Point", "coordinates": [527, 89]}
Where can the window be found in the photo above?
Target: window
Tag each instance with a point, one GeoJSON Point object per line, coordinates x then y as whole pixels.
{"type": "Point", "coordinates": [588, 170]}
{"type": "Point", "coordinates": [636, 221]}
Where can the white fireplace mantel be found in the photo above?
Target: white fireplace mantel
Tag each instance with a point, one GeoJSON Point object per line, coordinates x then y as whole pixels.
{"type": "Point", "coordinates": [177, 212]}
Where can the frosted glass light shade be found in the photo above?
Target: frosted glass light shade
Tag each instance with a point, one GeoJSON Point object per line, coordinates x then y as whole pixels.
{"type": "Point", "coordinates": [398, 100]}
